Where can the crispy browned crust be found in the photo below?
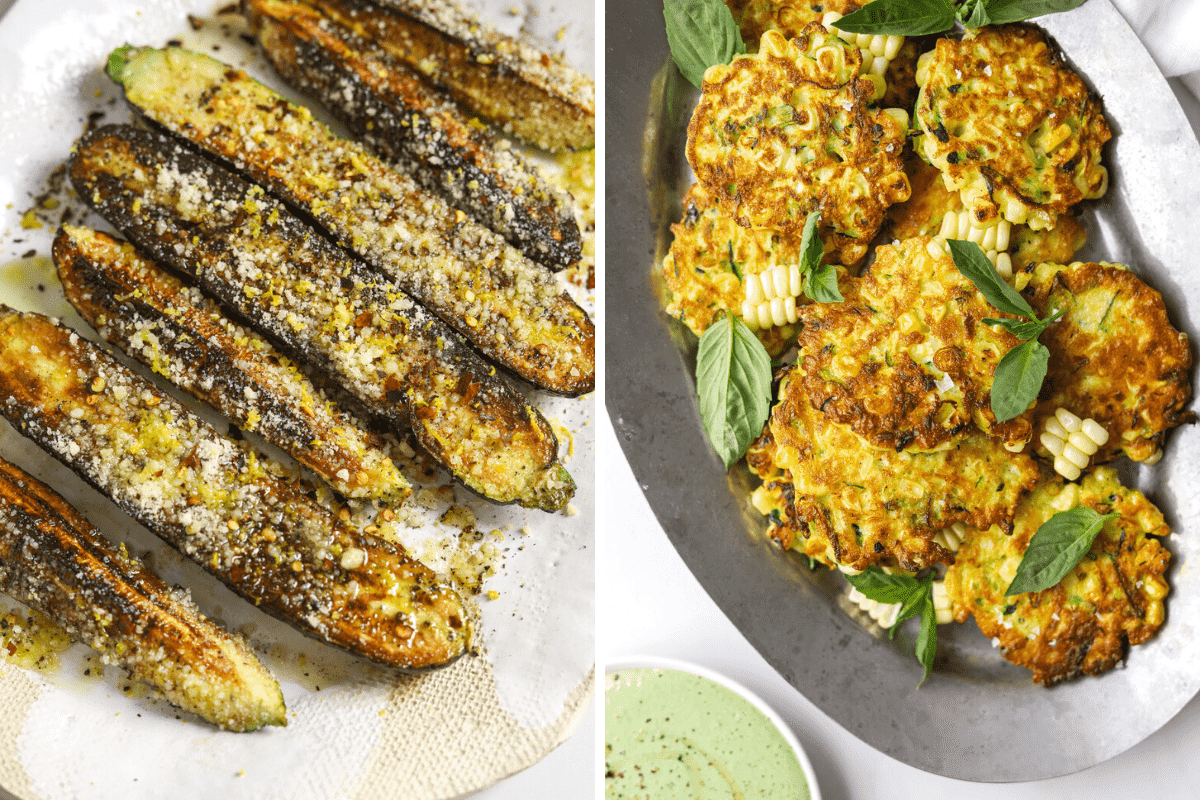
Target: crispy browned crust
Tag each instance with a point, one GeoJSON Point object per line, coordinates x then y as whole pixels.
{"type": "Point", "coordinates": [857, 362]}
{"type": "Point", "coordinates": [859, 505]}
{"type": "Point", "coordinates": [182, 336]}
{"type": "Point", "coordinates": [1114, 357]}
{"type": "Point", "coordinates": [512, 309]}
{"type": "Point", "coordinates": [388, 106]}
{"type": "Point", "coordinates": [779, 134]}
{"type": "Point", "coordinates": [221, 504]}
{"type": "Point", "coordinates": [52, 559]}
{"type": "Point", "coordinates": [1084, 624]}
{"type": "Point", "coordinates": [324, 307]}
{"type": "Point", "coordinates": [527, 93]}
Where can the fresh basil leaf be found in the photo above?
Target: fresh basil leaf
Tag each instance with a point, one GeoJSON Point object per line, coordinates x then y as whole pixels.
{"type": "Point", "coordinates": [927, 639]}
{"type": "Point", "coordinates": [912, 605]}
{"type": "Point", "coordinates": [877, 585]}
{"type": "Point", "coordinates": [733, 381]}
{"type": "Point", "coordinates": [1002, 12]}
{"type": "Point", "coordinates": [1025, 329]}
{"type": "Point", "coordinates": [701, 33]}
{"type": "Point", "coordinates": [822, 286]}
{"type": "Point", "coordinates": [900, 17]}
{"type": "Point", "coordinates": [972, 13]}
{"type": "Point", "coordinates": [1018, 379]}
{"type": "Point", "coordinates": [811, 246]}
{"type": "Point", "coordinates": [971, 262]}
{"type": "Point", "coordinates": [1056, 548]}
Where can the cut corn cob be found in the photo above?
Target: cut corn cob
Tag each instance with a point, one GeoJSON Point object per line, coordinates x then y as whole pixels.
{"type": "Point", "coordinates": [1072, 442]}
{"type": "Point", "coordinates": [951, 538]}
{"type": "Point", "coordinates": [877, 50]}
{"type": "Point", "coordinates": [942, 606]}
{"type": "Point", "coordinates": [885, 614]}
{"type": "Point", "coordinates": [993, 240]}
{"type": "Point", "coordinates": [771, 296]}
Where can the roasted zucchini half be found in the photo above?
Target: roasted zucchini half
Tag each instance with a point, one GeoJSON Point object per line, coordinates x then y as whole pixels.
{"type": "Point", "coordinates": [526, 92]}
{"type": "Point", "coordinates": [323, 306]}
{"type": "Point", "coordinates": [221, 504]}
{"type": "Point", "coordinates": [183, 336]}
{"type": "Point", "coordinates": [420, 129]}
{"type": "Point", "coordinates": [53, 560]}
{"type": "Point", "coordinates": [509, 307]}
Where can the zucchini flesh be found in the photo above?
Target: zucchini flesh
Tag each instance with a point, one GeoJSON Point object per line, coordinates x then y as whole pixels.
{"type": "Point", "coordinates": [220, 503]}
{"type": "Point", "coordinates": [53, 560]}
{"type": "Point", "coordinates": [389, 107]}
{"type": "Point", "coordinates": [506, 305]}
{"type": "Point", "coordinates": [321, 305]}
{"type": "Point", "coordinates": [526, 92]}
{"type": "Point", "coordinates": [182, 336]}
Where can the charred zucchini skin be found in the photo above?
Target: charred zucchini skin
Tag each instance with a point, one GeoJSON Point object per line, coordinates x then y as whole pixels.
{"type": "Point", "coordinates": [527, 93]}
{"type": "Point", "coordinates": [182, 336]}
{"type": "Point", "coordinates": [389, 107]}
{"type": "Point", "coordinates": [324, 307]}
{"type": "Point", "coordinates": [53, 560]}
{"type": "Point", "coordinates": [510, 308]}
{"type": "Point", "coordinates": [220, 504]}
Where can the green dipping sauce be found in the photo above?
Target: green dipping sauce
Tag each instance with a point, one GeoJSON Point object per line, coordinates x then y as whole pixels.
{"type": "Point", "coordinates": [671, 735]}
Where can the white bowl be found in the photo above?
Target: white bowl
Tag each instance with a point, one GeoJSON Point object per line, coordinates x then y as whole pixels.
{"type": "Point", "coordinates": [655, 662]}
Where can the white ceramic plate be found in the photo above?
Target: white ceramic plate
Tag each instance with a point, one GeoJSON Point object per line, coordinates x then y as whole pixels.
{"type": "Point", "coordinates": [354, 730]}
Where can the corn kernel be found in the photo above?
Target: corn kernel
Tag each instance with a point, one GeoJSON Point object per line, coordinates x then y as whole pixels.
{"type": "Point", "coordinates": [782, 282]}
{"type": "Point", "coordinates": [778, 315]}
{"type": "Point", "coordinates": [1075, 455]}
{"type": "Point", "coordinates": [1069, 421]}
{"type": "Point", "coordinates": [1082, 443]}
{"type": "Point", "coordinates": [1094, 431]}
{"type": "Point", "coordinates": [1065, 468]}
{"type": "Point", "coordinates": [1003, 232]}
{"type": "Point", "coordinates": [1052, 443]}
{"type": "Point", "coordinates": [892, 47]}
{"type": "Point", "coordinates": [767, 280]}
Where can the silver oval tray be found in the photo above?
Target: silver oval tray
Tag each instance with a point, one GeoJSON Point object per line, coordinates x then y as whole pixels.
{"type": "Point", "coordinates": [978, 717]}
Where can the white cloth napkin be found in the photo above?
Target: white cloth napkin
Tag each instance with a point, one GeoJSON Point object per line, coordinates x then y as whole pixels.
{"type": "Point", "coordinates": [1170, 29]}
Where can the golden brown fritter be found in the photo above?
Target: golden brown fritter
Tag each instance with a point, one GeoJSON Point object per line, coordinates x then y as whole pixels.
{"type": "Point", "coordinates": [874, 361]}
{"type": "Point", "coordinates": [921, 215]}
{"type": "Point", "coordinates": [1010, 125]}
{"type": "Point", "coordinates": [858, 505]}
{"type": "Point", "coordinates": [1114, 356]}
{"type": "Point", "coordinates": [789, 17]}
{"type": "Point", "coordinates": [709, 261]}
{"type": "Point", "coordinates": [789, 131]}
{"type": "Point", "coordinates": [1082, 624]}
